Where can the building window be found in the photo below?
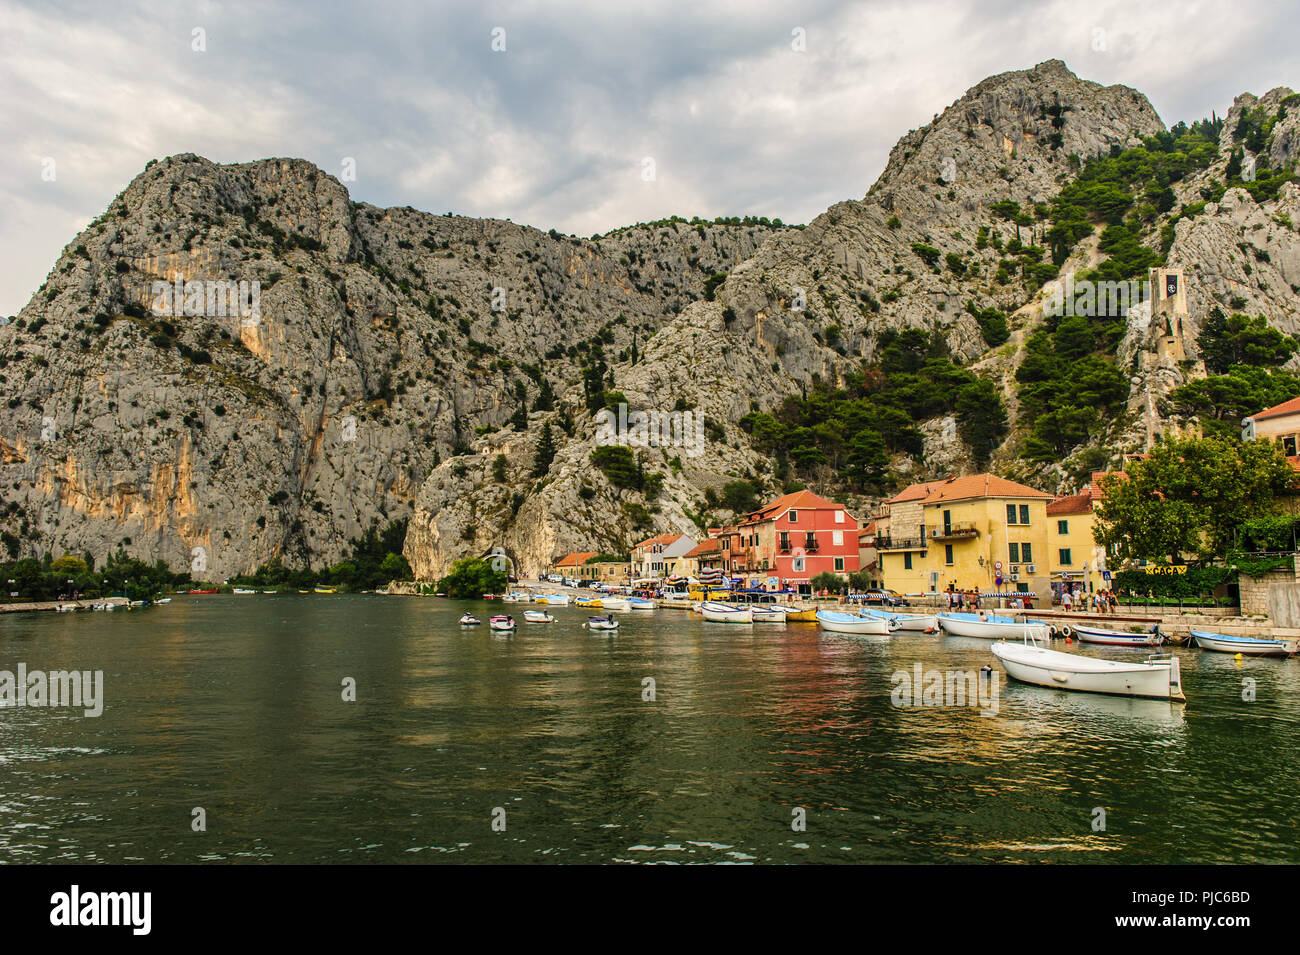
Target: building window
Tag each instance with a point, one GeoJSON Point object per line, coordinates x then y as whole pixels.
{"type": "Point", "coordinates": [1064, 555]}
{"type": "Point", "coordinates": [1013, 550]}
{"type": "Point", "coordinates": [839, 563]}
{"type": "Point", "coordinates": [947, 554]}
{"type": "Point", "coordinates": [785, 540]}
{"type": "Point", "coordinates": [1011, 513]}
{"type": "Point", "coordinates": [796, 565]}
{"type": "Point", "coordinates": [907, 561]}
{"type": "Point", "coordinates": [1062, 527]}
{"type": "Point", "coordinates": [1026, 553]}
{"type": "Point", "coordinates": [794, 516]}
{"type": "Point", "coordinates": [837, 538]}
{"type": "Point", "coordinates": [839, 517]}
{"type": "Point", "coordinates": [1288, 445]}
{"type": "Point", "coordinates": [1024, 513]}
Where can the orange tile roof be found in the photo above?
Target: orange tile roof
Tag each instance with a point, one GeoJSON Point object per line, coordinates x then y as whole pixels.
{"type": "Point", "coordinates": [1070, 504]}
{"type": "Point", "coordinates": [704, 548]}
{"type": "Point", "coordinates": [795, 499]}
{"type": "Point", "coordinates": [575, 559]}
{"type": "Point", "coordinates": [965, 488]}
{"type": "Point", "coordinates": [664, 539]}
{"type": "Point", "coordinates": [1277, 411]}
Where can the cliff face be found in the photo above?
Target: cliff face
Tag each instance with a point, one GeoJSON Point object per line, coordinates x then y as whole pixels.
{"type": "Point", "coordinates": [383, 373]}
{"type": "Point", "coordinates": [381, 340]}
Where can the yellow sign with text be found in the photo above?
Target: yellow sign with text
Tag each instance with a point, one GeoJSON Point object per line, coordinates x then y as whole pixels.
{"type": "Point", "coordinates": [1172, 569]}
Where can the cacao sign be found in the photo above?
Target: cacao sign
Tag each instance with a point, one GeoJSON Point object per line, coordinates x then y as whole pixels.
{"type": "Point", "coordinates": [1173, 569]}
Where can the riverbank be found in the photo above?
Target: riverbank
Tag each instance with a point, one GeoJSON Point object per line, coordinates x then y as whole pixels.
{"type": "Point", "coordinates": [82, 604]}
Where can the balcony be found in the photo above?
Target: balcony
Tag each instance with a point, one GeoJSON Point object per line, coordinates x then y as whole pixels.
{"type": "Point", "coordinates": [900, 543]}
{"type": "Point", "coordinates": [954, 532]}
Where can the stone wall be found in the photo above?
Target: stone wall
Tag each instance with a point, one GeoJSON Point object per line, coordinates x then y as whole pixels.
{"type": "Point", "coordinates": [1256, 593]}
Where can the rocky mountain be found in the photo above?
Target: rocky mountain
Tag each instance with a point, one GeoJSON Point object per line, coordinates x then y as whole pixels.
{"type": "Point", "coordinates": [402, 364]}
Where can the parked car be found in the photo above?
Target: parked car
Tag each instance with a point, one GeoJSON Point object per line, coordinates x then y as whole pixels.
{"type": "Point", "coordinates": [886, 598]}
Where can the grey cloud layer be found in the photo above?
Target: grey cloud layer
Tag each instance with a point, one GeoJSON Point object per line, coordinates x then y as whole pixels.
{"type": "Point", "coordinates": [553, 130]}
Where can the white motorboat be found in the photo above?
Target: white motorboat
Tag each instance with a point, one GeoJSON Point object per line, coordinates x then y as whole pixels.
{"type": "Point", "coordinates": [165, 600]}
{"type": "Point", "coordinates": [538, 616]}
{"type": "Point", "coordinates": [724, 613]}
{"type": "Point", "coordinates": [768, 613]}
{"type": "Point", "coordinates": [602, 623]}
{"type": "Point", "coordinates": [552, 600]}
{"type": "Point", "coordinates": [852, 623]}
{"type": "Point", "coordinates": [1118, 638]}
{"type": "Point", "coordinates": [503, 622]}
{"type": "Point", "coordinates": [989, 627]}
{"type": "Point", "coordinates": [243, 590]}
{"type": "Point", "coordinates": [641, 603]}
{"type": "Point", "coordinates": [919, 622]}
{"type": "Point", "coordinates": [469, 620]}
{"type": "Point", "coordinates": [66, 608]}
{"type": "Point", "coordinates": [1247, 646]}
{"type": "Point", "coordinates": [615, 603]}
{"type": "Point", "coordinates": [1156, 678]}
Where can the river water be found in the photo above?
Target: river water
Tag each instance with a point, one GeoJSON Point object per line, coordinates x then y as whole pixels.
{"type": "Point", "coordinates": [760, 744]}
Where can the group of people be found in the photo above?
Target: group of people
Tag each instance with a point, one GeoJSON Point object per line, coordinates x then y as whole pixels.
{"type": "Point", "coordinates": [1099, 601]}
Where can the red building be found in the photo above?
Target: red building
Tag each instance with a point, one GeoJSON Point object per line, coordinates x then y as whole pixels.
{"type": "Point", "coordinates": [790, 541]}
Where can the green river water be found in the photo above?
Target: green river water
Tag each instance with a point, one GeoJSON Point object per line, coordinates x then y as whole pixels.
{"type": "Point", "coordinates": [468, 746]}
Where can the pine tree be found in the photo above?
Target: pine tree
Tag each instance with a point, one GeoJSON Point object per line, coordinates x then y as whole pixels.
{"type": "Point", "coordinates": [545, 452]}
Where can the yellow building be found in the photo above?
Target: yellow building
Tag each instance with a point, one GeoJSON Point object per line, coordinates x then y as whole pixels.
{"type": "Point", "coordinates": [1074, 557]}
{"type": "Point", "coordinates": [978, 532]}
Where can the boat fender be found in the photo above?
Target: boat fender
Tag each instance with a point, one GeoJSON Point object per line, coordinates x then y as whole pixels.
{"type": "Point", "coordinates": [1052, 631]}
{"type": "Point", "coordinates": [1067, 631]}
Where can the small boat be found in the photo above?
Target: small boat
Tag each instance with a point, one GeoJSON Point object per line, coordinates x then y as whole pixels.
{"type": "Point", "coordinates": [553, 600]}
{"type": "Point", "coordinates": [641, 603]}
{"type": "Point", "coordinates": [602, 623]}
{"type": "Point", "coordinates": [538, 616]}
{"type": "Point", "coordinates": [138, 603]}
{"type": "Point", "coordinates": [164, 600]}
{"type": "Point", "coordinates": [768, 614]}
{"type": "Point", "coordinates": [1118, 638]}
{"type": "Point", "coordinates": [1247, 646]}
{"type": "Point", "coordinates": [1157, 678]}
{"type": "Point", "coordinates": [203, 591]}
{"type": "Point", "coordinates": [808, 615]}
{"type": "Point", "coordinates": [725, 613]}
{"type": "Point", "coordinates": [919, 622]}
{"type": "Point", "coordinates": [469, 620]}
{"type": "Point", "coordinates": [990, 627]}
{"type": "Point", "coordinates": [322, 590]}
{"type": "Point", "coordinates": [838, 622]}
{"type": "Point", "coordinates": [240, 590]}
{"type": "Point", "coordinates": [615, 603]}
{"type": "Point", "coordinates": [66, 608]}
{"type": "Point", "coordinates": [501, 622]}
{"type": "Point", "coordinates": [589, 603]}
{"type": "Point", "coordinates": [270, 591]}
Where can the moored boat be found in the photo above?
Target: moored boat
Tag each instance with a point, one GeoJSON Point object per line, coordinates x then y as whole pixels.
{"type": "Point", "coordinates": [501, 622]}
{"type": "Point", "coordinates": [589, 603]}
{"type": "Point", "coordinates": [919, 622]}
{"type": "Point", "coordinates": [852, 623]}
{"type": "Point", "coordinates": [1157, 678]}
{"type": "Point", "coordinates": [724, 613]}
{"type": "Point", "coordinates": [538, 616]}
{"type": "Point", "coordinates": [552, 600]}
{"type": "Point", "coordinates": [469, 620]}
{"type": "Point", "coordinates": [989, 627]}
{"type": "Point", "coordinates": [615, 603]}
{"type": "Point", "coordinates": [1118, 638]}
{"type": "Point", "coordinates": [641, 603]}
{"type": "Point", "coordinates": [1247, 646]}
{"type": "Point", "coordinates": [242, 590]}
{"type": "Point", "coordinates": [767, 613]}
{"type": "Point", "coordinates": [801, 615]}
{"type": "Point", "coordinates": [602, 623]}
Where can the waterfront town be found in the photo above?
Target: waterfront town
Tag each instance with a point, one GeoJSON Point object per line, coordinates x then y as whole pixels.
{"type": "Point", "coordinates": [975, 534]}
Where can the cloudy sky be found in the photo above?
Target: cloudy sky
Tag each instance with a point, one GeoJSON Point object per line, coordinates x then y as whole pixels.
{"type": "Point", "coordinates": [546, 112]}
